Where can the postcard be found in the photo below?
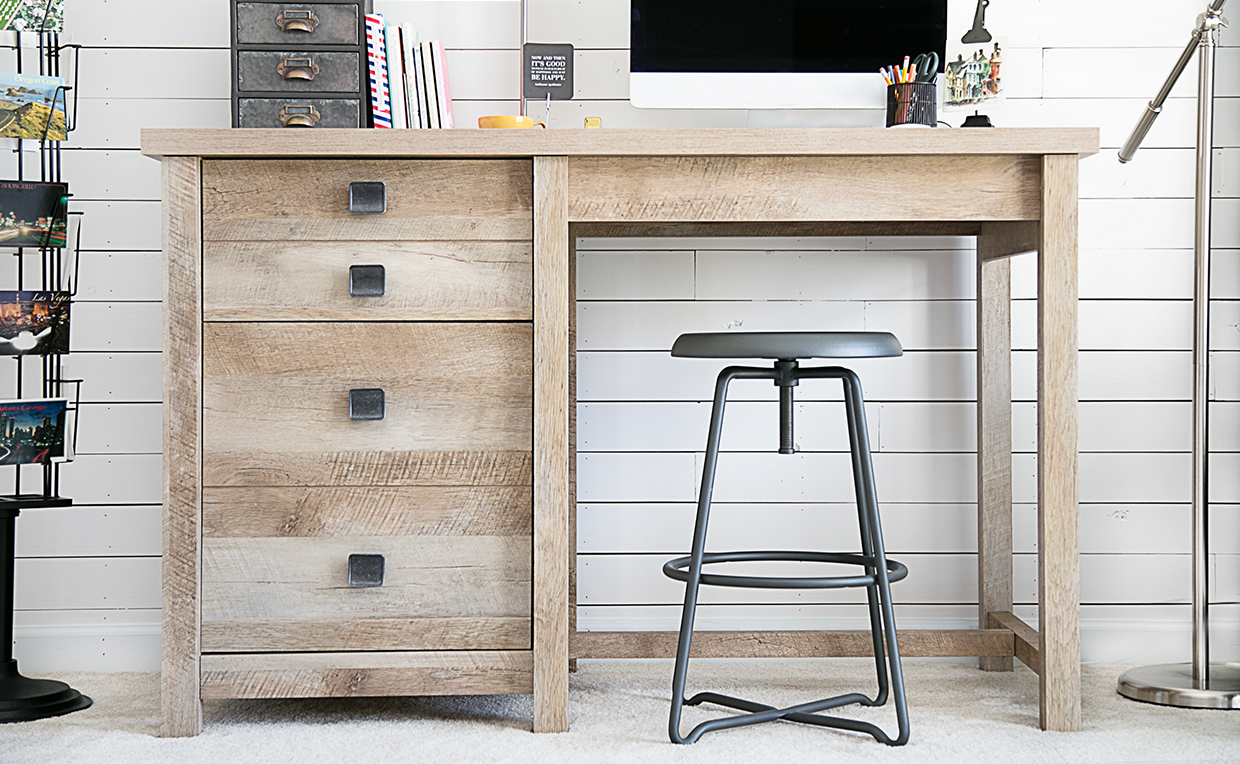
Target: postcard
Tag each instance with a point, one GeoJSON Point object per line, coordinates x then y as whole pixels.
{"type": "Point", "coordinates": [33, 431]}
{"type": "Point", "coordinates": [33, 214]}
{"type": "Point", "coordinates": [34, 323]}
{"type": "Point", "coordinates": [33, 15]}
{"type": "Point", "coordinates": [32, 106]}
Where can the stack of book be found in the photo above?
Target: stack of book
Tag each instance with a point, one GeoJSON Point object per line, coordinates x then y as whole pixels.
{"type": "Point", "coordinates": [408, 77]}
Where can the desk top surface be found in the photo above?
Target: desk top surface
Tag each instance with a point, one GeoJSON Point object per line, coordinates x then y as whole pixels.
{"type": "Point", "coordinates": [224, 142]}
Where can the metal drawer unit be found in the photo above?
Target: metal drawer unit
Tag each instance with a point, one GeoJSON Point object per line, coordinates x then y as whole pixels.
{"type": "Point", "coordinates": [300, 65]}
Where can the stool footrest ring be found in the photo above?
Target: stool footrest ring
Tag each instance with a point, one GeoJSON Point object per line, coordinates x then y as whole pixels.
{"type": "Point", "coordinates": [678, 569]}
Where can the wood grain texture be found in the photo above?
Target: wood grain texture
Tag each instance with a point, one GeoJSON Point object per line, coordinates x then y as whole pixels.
{"type": "Point", "coordinates": [355, 675]}
{"type": "Point", "coordinates": [370, 633]}
{"type": "Point", "coordinates": [1058, 545]}
{"type": "Point", "coordinates": [308, 200]}
{"type": "Point", "coordinates": [769, 189]}
{"type": "Point", "coordinates": [572, 438]}
{"type": "Point", "coordinates": [1028, 645]}
{"type": "Point", "coordinates": [389, 468]}
{"type": "Point", "coordinates": [283, 389]}
{"type": "Point", "coordinates": [181, 713]}
{"type": "Point", "coordinates": [551, 449]}
{"type": "Point", "coordinates": [613, 142]}
{"type": "Point", "coordinates": [309, 281]}
{"type": "Point", "coordinates": [298, 511]}
{"type": "Point", "coordinates": [305, 580]}
{"type": "Point", "coordinates": [995, 642]}
{"type": "Point", "coordinates": [996, 240]}
{"type": "Point", "coordinates": [994, 437]}
{"type": "Point", "coordinates": [797, 228]}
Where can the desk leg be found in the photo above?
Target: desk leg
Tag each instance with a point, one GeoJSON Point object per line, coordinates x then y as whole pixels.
{"type": "Point", "coordinates": [994, 441]}
{"type": "Point", "coordinates": [1058, 545]}
{"type": "Point", "coordinates": [551, 402]}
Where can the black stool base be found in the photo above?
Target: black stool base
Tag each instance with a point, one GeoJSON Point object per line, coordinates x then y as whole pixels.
{"type": "Point", "coordinates": [24, 700]}
{"type": "Point", "coordinates": [805, 713]}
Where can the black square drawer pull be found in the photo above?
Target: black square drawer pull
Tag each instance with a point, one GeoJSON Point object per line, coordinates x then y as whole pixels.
{"type": "Point", "coordinates": [367, 280]}
{"type": "Point", "coordinates": [365, 570]}
{"type": "Point", "coordinates": [365, 403]}
{"type": "Point", "coordinates": [367, 198]}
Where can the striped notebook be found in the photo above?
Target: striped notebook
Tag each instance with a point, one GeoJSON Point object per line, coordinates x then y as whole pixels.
{"type": "Point", "coordinates": [376, 49]}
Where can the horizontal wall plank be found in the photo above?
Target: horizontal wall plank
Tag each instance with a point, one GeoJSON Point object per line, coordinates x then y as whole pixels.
{"type": "Point", "coordinates": [86, 640]}
{"type": "Point", "coordinates": [84, 583]}
{"type": "Point", "coordinates": [111, 73]}
{"type": "Point", "coordinates": [113, 479]}
{"type": "Point", "coordinates": [629, 275]}
{"type": "Point", "coordinates": [1133, 274]}
{"type": "Point", "coordinates": [939, 578]}
{"type": "Point", "coordinates": [117, 377]}
{"type": "Point", "coordinates": [780, 275]}
{"type": "Point", "coordinates": [96, 23]}
{"type": "Point", "coordinates": [115, 123]}
{"type": "Point", "coordinates": [483, 74]}
{"type": "Point", "coordinates": [1120, 325]}
{"type": "Point", "coordinates": [111, 175]}
{"type": "Point", "coordinates": [84, 531]}
{"type": "Point", "coordinates": [116, 326]}
{"type": "Point", "coordinates": [476, 24]}
{"type": "Point", "coordinates": [124, 226]}
{"type": "Point", "coordinates": [122, 428]}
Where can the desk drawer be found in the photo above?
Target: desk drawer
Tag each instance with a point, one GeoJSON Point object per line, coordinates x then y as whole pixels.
{"type": "Point", "coordinates": [298, 71]}
{"type": "Point", "coordinates": [426, 200]}
{"type": "Point", "coordinates": [297, 24]}
{"type": "Point", "coordinates": [438, 593]}
{"type": "Point", "coordinates": [457, 404]}
{"type": "Point", "coordinates": [310, 281]}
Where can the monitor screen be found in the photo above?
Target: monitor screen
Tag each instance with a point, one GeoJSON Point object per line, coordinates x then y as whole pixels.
{"type": "Point", "coordinates": [732, 47]}
{"type": "Point", "coordinates": [783, 35]}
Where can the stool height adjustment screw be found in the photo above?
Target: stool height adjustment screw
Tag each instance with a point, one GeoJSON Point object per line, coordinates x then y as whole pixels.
{"type": "Point", "coordinates": [786, 381]}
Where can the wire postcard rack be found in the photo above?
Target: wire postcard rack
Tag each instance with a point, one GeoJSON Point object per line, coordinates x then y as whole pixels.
{"type": "Point", "coordinates": [51, 274]}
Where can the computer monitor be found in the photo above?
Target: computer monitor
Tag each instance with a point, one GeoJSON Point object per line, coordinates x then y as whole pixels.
{"type": "Point", "coordinates": [775, 54]}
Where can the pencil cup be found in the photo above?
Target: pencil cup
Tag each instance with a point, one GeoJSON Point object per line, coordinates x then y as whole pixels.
{"type": "Point", "coordinates": [912, 103]}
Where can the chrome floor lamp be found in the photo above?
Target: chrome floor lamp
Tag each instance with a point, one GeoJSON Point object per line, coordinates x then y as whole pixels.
{"type": "Point", "coordinates": [1200, 684]}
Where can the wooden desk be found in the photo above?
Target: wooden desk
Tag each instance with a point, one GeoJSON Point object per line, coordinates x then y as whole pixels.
{"type": "Point", "coordinates": [1014, 189]}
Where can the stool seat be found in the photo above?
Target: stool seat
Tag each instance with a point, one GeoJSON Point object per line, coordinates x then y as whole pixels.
{"type": "Point", "coordinates": [787, 345]}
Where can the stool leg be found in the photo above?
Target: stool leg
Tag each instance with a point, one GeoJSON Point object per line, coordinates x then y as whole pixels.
{"type": "Point", "coordinates": [695, 565]}
{"type": "Point", "coordinates": [869, 497]}
{"type": "Point", "coordinates": [859, 450]}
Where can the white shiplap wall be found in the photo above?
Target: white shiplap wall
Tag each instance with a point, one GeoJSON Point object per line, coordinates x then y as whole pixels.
{"type": "Point", "coordinates": [88, 576]}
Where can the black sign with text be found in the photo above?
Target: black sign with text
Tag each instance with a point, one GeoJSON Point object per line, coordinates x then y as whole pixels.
{"type": "Point", "coordinates": [548, 69]}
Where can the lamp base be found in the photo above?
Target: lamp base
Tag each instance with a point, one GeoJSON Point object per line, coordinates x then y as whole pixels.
{"type": "Point", "coordinates": [24, 700]}
{"type": "Point", "coordinates": [1171, 684]}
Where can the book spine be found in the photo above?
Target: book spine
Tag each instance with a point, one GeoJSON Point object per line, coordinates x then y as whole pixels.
{"type": "Point", "coordinates": [442, 92]}
{"type": "Point", "coordinates": [396, 77]}
{"type": "Point", "coordinates": [428, 78]}
{"type": "Point", "coordinates": [380, 104]}
{"type": "Point", "coordinates": [413, 90]}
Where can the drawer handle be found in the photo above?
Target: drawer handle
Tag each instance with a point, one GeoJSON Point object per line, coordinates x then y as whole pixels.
{"type": "Point", "coordinates": [367, 198]}
{"type": "Point", "coordinates": [365, 570]}
{"type": "Point", "coordinates": [366, 403]}
{"type": "Point", "coordinates": [297, 21]}
{"type": "Point", "coordinates": [297, 68]}
{"type": "Point", "coordinates": [367, 280]}
{"type": "Point", "coordinates": [298, 115]}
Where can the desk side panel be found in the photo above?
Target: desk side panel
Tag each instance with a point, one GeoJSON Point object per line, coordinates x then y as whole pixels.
{"type": "Point", "coordinates": [773, 189]}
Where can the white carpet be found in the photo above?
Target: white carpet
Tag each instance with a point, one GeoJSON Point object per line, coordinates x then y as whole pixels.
{"type": "Point", "coordinates": [618, 713]}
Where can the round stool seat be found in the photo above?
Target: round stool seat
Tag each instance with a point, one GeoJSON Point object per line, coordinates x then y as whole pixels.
{"type": "Point", "coordinates": [676, 569]}
{"type": "Point", "coordinates": [787, 346]}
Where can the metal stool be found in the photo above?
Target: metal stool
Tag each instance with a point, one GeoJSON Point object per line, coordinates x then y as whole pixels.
{"type": "Point", "coordinates": [786, 348]}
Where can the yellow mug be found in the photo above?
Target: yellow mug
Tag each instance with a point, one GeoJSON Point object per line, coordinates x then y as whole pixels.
{"type": "Point", "coordinates": [509, 122]}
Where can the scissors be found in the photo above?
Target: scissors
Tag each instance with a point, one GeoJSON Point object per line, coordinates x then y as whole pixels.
{"type": "Point", "coordinates": [927, 66]}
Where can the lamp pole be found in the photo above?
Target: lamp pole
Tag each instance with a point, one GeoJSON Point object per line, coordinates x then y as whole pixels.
{"type": "Point", "coordinates": [1199, 684]}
